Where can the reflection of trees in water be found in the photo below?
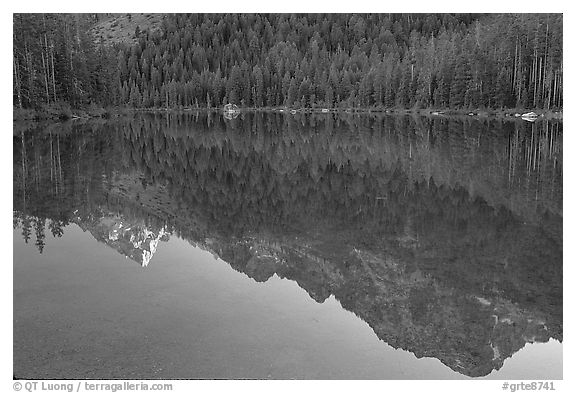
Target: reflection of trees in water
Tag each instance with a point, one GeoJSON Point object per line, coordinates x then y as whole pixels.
{"type": "Point", "coordinates": [57, 171]}
{"type": "Point", "coordinates": [273, 169]}
{"type": "Point", "coordinates": [405, 220]}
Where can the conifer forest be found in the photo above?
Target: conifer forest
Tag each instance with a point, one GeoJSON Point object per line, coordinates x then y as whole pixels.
{"type": "Point", "coordinates": [490, 61]}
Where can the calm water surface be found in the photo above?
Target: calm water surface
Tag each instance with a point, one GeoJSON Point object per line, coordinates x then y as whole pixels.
{"type": "Point", "coordinates": [273, 246]}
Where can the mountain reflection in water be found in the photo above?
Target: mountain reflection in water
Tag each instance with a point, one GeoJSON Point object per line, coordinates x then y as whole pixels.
{"type": "Point", "coordinates": [443, 235]}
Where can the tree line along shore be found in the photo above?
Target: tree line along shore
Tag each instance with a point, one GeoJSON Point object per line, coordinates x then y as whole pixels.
{"type": "Point", "coordinates": [82, 65]}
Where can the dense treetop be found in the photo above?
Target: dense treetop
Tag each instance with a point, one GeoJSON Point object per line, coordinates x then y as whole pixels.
{"type": "Point", "coordinates": [295, 60]}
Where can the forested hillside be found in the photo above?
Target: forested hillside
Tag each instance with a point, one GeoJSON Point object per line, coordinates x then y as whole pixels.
{"type": "Point", "coordinates": [306, 60]}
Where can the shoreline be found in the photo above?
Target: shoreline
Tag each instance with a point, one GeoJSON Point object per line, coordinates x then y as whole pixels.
{"type": "Point", "coordinates": [66, 114]}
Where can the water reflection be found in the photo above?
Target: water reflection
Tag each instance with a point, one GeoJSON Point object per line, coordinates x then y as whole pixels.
{"type": "Point", "coordinates": [444, 235]}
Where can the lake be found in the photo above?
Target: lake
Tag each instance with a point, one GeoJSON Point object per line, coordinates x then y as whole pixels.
{"type": "Point", "coordinates": [273, 246]}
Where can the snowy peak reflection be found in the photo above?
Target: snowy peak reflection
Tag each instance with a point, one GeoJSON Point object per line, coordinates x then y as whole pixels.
{"type": "Point", "coordinates": [445, 236]}
{"type": "Point", "coordinates": [130, 238]}
{"type": "Point", "coordinates": [130, 235]}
